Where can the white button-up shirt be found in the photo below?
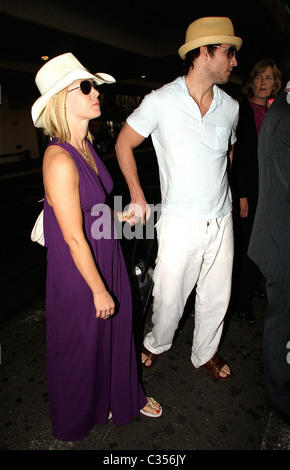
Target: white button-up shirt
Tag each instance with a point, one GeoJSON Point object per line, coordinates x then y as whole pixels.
{"type": "Point", "coordinates": [191, 149]}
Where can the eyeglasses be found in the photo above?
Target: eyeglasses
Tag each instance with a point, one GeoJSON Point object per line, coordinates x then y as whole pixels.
{"type": "Point", "coordinates": [231, 51]}
{"type": "Point", "coordinates": [85, 87]}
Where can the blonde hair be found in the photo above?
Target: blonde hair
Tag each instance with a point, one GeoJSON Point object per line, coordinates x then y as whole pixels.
{"type": "Point", "coordinates": [54, 118]}
{"type": "Point", "coordinates": [54, 121]}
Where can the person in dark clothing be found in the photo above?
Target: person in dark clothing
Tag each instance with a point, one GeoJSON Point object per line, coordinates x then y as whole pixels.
{"type": "Point", "coordinates": [103, 142]}
{"type": "Point", "coordinates": [269, 247]}
{"type": "Point", "coordinates": [264, 83]}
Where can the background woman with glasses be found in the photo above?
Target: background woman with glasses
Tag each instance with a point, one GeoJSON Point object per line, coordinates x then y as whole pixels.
{"type": "Point", "coordinates": [91, 364]}
{"type": "Point", "coordinates": [263, 84]}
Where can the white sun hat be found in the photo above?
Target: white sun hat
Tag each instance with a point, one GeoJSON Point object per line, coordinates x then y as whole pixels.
{"type": "Point", "coordinates": [57, 74]}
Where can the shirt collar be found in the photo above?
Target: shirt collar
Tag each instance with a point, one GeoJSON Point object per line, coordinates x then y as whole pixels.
{"type": "Point", "coordinates": [217, 98]}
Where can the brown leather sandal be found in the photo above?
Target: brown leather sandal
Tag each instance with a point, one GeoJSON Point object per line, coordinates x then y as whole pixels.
{"type": "Point", "coordinates": [215, 365]}
{"type": "Point", "coordinates": [151, 356]}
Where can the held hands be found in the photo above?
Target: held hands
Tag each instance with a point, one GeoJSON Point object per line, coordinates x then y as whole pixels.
{"type": "Point", "coordinates": [135, 213]}
{"type": "Point", "coordinates": [126, 216]}
{"type": "Point", "coordinates": [141, 211]}
{"type": "Point", "coordinates": [104, 304]}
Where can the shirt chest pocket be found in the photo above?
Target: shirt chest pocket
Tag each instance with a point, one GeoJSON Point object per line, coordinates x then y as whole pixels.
{"type": "Point", "coordinates": [218, 137]}
{"type": "Point", "coordinates": [222, 138]}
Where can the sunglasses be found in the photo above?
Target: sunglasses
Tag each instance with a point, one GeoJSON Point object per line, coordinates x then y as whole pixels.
{"type": "Point", "coordinates": [85, 87]}
{"type": "Point", "coordinates": [231, 51]}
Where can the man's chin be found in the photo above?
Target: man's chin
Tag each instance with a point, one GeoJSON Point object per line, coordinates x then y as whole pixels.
{"type": "Point", "coordinates": [223, 82]}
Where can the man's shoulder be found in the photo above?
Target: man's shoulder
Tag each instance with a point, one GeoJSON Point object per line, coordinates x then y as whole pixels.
{"type": "Point", "coordinates": [226, 98]}
{"type": "Point", "coordinates": [280, 106]}
{"type": "Point", "coordinates": [177, 85]}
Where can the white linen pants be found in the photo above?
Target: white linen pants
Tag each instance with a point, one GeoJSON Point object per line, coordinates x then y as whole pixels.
{"type": "Point", "coordinates": [192, 252]}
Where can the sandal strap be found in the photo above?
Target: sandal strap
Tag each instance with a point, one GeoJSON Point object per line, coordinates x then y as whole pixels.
{"type": "Point", "coordinates": [215, 365]}
{"type": "Point", "coordinates": [151, 356]}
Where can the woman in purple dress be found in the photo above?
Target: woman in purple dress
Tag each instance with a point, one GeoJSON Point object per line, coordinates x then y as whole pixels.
{"type": "Point", "coordinates": [91, 363]}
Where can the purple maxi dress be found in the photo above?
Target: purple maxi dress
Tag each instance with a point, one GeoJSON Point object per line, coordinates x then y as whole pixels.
{"type": "Point", "coordinates": [91, 362]}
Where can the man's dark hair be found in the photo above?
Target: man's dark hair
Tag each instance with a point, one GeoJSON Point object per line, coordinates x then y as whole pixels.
{"type": "Point", "coordinates": [192, 55]}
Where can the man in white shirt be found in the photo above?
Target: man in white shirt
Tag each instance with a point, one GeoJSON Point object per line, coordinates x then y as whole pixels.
{"type": "Point", "coordinates": [192, 124]}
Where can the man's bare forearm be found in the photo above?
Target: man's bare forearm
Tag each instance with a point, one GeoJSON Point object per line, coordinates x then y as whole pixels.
{"type": "Point", "coordinates": [128, 139]}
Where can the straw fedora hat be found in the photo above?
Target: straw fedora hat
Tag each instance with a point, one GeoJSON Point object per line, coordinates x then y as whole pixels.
{"type": "Point", "coordinates": [57, 74]}
{"type": "Point", "coordinates": [209, 30]}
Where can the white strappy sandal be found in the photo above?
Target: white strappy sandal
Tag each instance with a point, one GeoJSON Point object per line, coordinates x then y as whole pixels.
{"type": "Point", "coordinates": [149, 414]}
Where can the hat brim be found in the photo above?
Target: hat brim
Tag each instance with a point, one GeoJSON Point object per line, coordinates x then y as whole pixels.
{"type": "Point", "coordinates": [189, 46]}
{"type": "Point", "coordinates": [40, 104]}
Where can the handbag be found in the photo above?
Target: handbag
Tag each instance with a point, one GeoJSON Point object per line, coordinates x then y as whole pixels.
{"type": "Point", "coordinates": [37, 234]}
